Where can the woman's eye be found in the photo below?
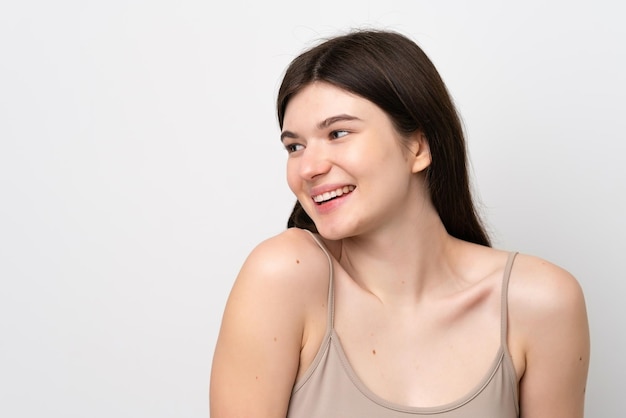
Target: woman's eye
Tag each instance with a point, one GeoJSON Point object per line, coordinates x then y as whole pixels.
{"type": "Point", "coordinates": [293, 147]}
{"type": "Point", "coordinates": [338, 134]}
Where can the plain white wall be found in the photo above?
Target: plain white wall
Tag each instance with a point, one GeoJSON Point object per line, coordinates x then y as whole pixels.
{"type": "Point", "coordinates": [140, 163]}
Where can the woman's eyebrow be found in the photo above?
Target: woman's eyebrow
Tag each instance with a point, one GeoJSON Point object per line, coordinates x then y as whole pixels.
{"type": "Point", "coordinates": [333, 119]}
{"type": "Point", "coordinates": [287, 134]}
{"type": "Point", "coordinates": [323, 124]}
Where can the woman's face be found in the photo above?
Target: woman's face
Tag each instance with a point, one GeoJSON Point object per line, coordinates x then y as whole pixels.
{"type": "Point", "coordinates": [347, 165]}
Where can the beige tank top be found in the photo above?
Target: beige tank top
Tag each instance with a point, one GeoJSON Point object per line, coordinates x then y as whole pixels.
{"type": "Point", "coordinates": [330, 387]}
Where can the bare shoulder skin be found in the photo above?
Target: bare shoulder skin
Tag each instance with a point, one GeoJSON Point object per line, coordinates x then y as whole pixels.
{"type": "Point", "coordinates": [549, 339]}
{"type": "Point", "coordinates": [274, 318]}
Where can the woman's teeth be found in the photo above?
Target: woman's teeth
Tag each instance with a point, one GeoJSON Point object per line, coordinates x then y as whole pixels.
{"type": "Point", "coordinates": [320, 198]}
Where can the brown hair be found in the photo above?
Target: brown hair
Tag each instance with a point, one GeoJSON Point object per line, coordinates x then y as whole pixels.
{"type": "Point", "coordinates": [391, 71]}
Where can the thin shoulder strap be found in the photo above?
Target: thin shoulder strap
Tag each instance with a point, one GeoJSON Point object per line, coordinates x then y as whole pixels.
{"type": "Point", "coordinates": [330, 317]}
{"type": "Point", "coordinates": [504, 314]}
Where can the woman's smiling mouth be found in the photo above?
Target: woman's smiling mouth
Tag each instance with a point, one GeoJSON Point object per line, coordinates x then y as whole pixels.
{"type": "Point", "coordinates": [340, 191]}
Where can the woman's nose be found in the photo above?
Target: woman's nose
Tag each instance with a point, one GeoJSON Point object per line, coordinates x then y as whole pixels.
{"type": "Point", "coordinates": [314, 161]}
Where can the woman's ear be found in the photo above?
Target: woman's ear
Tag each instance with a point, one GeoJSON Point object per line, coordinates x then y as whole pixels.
{"type": "Point", "coordinates": [420, 151]}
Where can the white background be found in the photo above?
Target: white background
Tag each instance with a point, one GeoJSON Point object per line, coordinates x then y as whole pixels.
{"type": "Point", "coordinates": [140, 163]}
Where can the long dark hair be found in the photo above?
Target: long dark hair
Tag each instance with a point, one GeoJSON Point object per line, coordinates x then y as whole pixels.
{"type": "Point", "coordinates": [391, 71]}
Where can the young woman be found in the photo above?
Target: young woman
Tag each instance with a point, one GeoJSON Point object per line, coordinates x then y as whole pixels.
{"type": "Point", "coordinates": [383, 298]}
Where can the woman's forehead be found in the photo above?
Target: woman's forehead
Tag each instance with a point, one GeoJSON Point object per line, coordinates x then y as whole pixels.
{"type": "Point", "coordinates": [319, 101]}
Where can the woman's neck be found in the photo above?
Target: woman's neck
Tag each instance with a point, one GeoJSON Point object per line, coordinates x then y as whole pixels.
{"type": "Point", "coordinates": [406, 261]}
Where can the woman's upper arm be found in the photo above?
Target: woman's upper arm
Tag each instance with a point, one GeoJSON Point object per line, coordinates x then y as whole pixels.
{"type": "Point", "coordinates": [258, 349]}
{"type": "Point", "coordinates": [556, 338]}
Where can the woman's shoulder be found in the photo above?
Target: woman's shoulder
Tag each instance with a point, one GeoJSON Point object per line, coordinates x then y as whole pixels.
{"type": "Point", "coordinates": [546, 307]}
{"type": "Point", "coordinates": [549, 338]}
{"type": "Point", "coordinates": [289, 241]}
{"type": "Point", "coordinates": [541, 286]}
{"type": "Point", "coordinates": [290, 258]}
{"type": "Point", "coordinates": [279, 288]}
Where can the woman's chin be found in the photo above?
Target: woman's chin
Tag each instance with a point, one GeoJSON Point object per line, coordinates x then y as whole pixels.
{"type": "Point", "coordinates": [335, 232]}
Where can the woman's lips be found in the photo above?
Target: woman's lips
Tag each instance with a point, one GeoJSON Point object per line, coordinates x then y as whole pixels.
{"type": "Point", "coordinates": [331, 194]}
